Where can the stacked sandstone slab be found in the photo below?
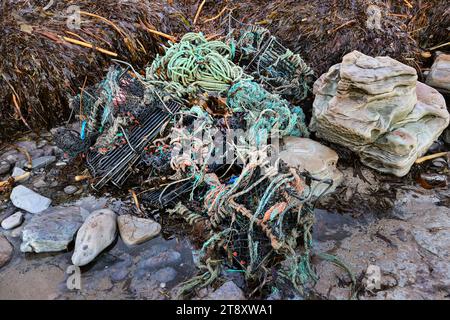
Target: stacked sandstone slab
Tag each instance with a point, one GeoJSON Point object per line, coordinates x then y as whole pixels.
{"type": "Point", "coordinates": [377, 108]}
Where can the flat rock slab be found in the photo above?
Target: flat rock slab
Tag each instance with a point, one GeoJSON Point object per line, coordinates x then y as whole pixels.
{"type": "Point", "coordinates": [52, 230]}
{"type": "Point", "coordinates": [96, 233]}
{"type": "Point", "coordinates": [134, 230]}
{"type": "Point", "coordinates": [42, 162]}
{"type": "Point", "coordinates": [28, 200]}
{"type": "Point", "coordinates": [168, 257]}
{"type": "Point", "coordinates": [6, 250]}
{"type": "Point", "coordinates": [164, 275]}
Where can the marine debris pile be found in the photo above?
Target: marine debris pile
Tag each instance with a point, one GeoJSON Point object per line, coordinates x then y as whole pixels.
{"type": "Point", "coordinates": [227, 135]}
{"type": "Point", "coordinates": [206, 128]}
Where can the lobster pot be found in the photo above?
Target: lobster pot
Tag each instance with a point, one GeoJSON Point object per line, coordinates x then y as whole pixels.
{"type": "Point", "coordinates": [116, 165]}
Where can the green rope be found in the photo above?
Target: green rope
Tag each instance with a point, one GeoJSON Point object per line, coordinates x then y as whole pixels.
{"type": "Point", "coordinates": [198, 63]}
{"type": "Point", "coordinates": [265, 112]}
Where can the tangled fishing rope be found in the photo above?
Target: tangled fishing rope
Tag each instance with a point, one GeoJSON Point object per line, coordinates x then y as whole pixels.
{"type": "Point", "coordinates": [195, 62]}
{"type": "Point", "coordinates": [258, 218]}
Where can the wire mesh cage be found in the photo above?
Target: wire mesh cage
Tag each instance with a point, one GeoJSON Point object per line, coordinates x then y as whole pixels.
{"type": "Point", "coordinates": [115, 166]}
{"type": "Point", "coordinates": [272, 64]}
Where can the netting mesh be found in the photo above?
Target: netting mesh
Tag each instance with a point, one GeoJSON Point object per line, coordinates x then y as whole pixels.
{"type": "Point", "coordinates": [255, 212]}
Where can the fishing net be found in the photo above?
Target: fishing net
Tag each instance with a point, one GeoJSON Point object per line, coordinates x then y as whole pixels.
{"type": "Point", "coordinates": [255, 213]}
{"type": "Point", "coordinates": [195, 63]}
{"type": "Point", "coordinates": [272, 64]}
{"type": "Point", "coordinates": [262, 214]}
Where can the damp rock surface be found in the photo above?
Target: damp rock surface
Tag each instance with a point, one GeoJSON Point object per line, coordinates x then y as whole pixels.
{"type": "Point", "coordinates": [228, 291]}
{"type": "Point", "coordinates": [164, 275]}
{"type": "Point", "coordinates": [411, 248]}
{"type": "Point", "coordinates": [160, 259]}
{"type": "Point", "coordinates": [51, 230]}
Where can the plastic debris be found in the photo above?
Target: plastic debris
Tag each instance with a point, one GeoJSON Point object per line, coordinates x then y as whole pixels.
{"type": "Point", "coordinates": [253, 208]}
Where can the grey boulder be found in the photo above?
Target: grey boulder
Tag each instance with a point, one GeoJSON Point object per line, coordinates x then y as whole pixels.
{"type": "Point", "coordinates": [228, 291]}
{"type": "Point", "coordinates": [320, 161]}
{"type": "Point", "coordinates": [52, 230]}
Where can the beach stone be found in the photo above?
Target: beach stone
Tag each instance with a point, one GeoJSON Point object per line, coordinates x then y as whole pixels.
{"type": "Point", "coordinates": [439, 76]}
{"type": "Point", "coordinates": [134, 230]}
{"type": "Point", "coordinates": [378, 109]}
{"type": "Point", "coordinates": [12, 221]}
{"type": "Point", "coordinates": [51, 230]}
{"type": "Point", "coordinates": [447, 135]}
{"type": "Point", "coordinates": [42, 162]}
{"type": "Point", "coordinates": [15, 157]}
{"type": "Point", "coordinates": [308, 155]}
{"type": "Point", "coordinates": [4, 167]}
{"type": "Point", "coordinates": [70, 189]}
{"type": "Point", "coordinates": [42, 143]}
{"type": "Point", "coordinates": [6, 250]}
{"type": "Point", "coordinates": [27, 145]}
{"type": "Point", "coordinates": [18, 172]}
{"type": "Point", "coordinates": [119, 275]}
{"type": "Point", "coordinates": [28, 200]}
{"type": "Point", "coordinates": [228, 291]}
{"type": "Point", "coordinates": [97, 232]}
{"type": "Point", "coordinates": [61, 164]}
{"type": "Point", "coordinates": [40, 183]}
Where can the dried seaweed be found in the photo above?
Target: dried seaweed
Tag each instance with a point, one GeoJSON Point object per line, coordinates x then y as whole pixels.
{"type": "Point", "coordinates": [322, 31]}
{"type": "Point", "coordinates": [40, 69]}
